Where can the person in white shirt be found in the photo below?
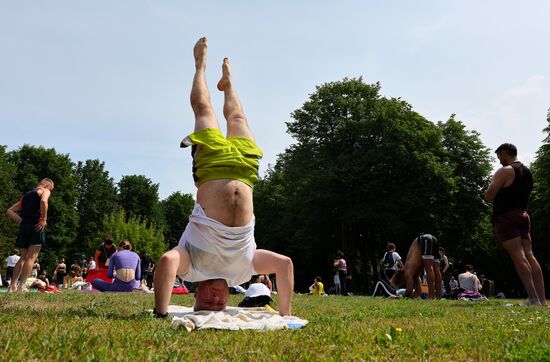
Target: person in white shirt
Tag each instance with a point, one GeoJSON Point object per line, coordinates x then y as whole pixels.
{"type": "Point", "coordinates": [91, 264]}
{"type": "Point", "coordinates": [468, 280]}
{"type": "Point", "coordinates": [10, 262]}
{"type": "Point", "coordinates": [392, 261]}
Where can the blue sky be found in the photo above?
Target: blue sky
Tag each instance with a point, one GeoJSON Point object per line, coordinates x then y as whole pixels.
{"type": "Point", "coordinates": [111, 79]}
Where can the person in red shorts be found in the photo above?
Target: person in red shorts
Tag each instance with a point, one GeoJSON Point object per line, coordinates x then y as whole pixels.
{"type": "Point", "coordinates": [509, 192]}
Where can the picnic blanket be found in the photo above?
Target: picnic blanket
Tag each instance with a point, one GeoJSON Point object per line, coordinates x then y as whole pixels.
{"type": "Point", "coordinates": [232, 318]}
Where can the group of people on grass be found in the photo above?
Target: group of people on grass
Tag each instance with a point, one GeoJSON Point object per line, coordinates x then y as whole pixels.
{"type": "Point", "coordinates": [217, 249]}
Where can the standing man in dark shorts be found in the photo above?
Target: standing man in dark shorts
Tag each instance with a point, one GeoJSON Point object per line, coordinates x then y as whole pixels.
{"type": "Point", "coordinates": [31, 213]}
{"type": "Point", "coordinates": [509, 192]}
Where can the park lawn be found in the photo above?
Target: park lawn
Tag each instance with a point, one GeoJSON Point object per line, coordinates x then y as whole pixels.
{"type": "Point", "coordinates": [95, 326]}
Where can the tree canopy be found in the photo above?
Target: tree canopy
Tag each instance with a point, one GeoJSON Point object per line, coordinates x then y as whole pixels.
{"type": "Point", "coordinates": [367, 170]}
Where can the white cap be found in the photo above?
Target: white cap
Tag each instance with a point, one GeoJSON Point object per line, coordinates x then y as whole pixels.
{"type": "Point", "coordinates": [256, 290]}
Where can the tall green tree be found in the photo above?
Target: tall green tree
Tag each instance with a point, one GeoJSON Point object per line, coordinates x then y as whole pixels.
{"type": "Point", "coordinates": [539, 205]}
{"type": "Point", "coordinates": [139, 197]}
{"type": "Point", "coordinates": [176, 209]}
{"type": "Point", "coordinates": [465, 229]}
{"type": "Point", "coordinates": [8, 196]}
{"type": "Point", "coordinates": [97, 197]}
{"type": "Point", "coordinates": [142, 235]}
{"type": "Point", "coordinates": [35, 163]}
{"type": "Point", "coordinates": [365, 170]}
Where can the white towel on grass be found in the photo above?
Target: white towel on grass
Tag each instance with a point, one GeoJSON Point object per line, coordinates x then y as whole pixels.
{"type": "Point", "coordinates": [232, 318]}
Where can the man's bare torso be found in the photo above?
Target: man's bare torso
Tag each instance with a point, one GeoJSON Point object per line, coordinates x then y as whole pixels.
{"type": "Point", "coordinates": [227, 201]}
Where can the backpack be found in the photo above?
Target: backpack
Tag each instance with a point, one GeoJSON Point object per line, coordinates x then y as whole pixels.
{"type": "Point", "coordinates": [387, 261]}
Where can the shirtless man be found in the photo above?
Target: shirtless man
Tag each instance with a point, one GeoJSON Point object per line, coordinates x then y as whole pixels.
{"type": "Point", "coordinates": [423, 253]}
{"type": "Point", "coordinates": [31, 213]}
{"type": "Point", "coordinates": [217, 248]}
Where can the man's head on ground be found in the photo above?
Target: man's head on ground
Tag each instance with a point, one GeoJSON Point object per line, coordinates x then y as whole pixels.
{"type": "Point", "coordinates": [506, 153]}
{"type": "Point", "coordinates": [211, 295]}
{"type": "Point", "coordinates": [390, 247]}
{"type": "Point", "coordinates": [46, 183]}
{"type": "Point", "coordinates": [469, 268]}
{"type": "Point", "coordinates": [14, 252]}
{"type": "Point", "coordinates": [441, 251]}
{"type": "Point", "coordinates": [318, 279]}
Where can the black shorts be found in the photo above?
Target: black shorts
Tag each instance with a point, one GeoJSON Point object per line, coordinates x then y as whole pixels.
{"type": "Point", "coordinates": [428, 247]}
{"type": "Point", "coordinates": [28, 236]}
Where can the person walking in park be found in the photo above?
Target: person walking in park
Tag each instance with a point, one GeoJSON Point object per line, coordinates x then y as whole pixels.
{"type": "Point", "coordinates": [31, 213]}
{"type": "Point", "coordinates": [217, 248]}
{"type": "Point", "coordinates": [509, 192]}
{"type": "Point", "coordinates": [391, 261]}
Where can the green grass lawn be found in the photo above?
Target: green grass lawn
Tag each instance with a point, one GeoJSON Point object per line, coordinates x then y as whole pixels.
{"type": "Point", "coordinates": [84, 326]}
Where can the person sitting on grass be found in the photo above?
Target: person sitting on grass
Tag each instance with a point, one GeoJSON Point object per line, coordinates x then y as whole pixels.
{"type": "Point", "coordinates": [468, 280]}
{"type": "Point", "coordinates": [317, 288]}
{"type": "Point", "coordinates": [217, 248]}
{"type": "Point", "coordinates": [127, 267]}
{"type": "Point", "coordinates": [74, 276]}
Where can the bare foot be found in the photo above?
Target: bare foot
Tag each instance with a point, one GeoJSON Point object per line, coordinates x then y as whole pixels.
{"type": "Point", "coordinates": [226, 76]}
{"type": "Point", "coordinates": [199, 52]}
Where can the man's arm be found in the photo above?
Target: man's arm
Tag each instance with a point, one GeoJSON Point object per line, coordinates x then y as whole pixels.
{"type": "Point", "coordinates": [498, 182]}
{"type": "Point", "coordinates": [43, 210]}
{"type": "Point", "coordinates": [12, 212]}
{"type": "Point", "coordinates": [268, 262]}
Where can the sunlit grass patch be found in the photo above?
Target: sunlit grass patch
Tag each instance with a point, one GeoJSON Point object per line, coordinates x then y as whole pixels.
{"type": "Point", "coordinates": [95, 326]}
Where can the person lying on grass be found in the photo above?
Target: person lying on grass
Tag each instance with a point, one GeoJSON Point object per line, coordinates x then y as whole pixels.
{"type": "Point", "coordinates": [217, 248]}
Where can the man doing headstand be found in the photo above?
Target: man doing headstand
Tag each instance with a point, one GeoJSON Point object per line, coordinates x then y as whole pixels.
{"type": "Point", "coordinates": [217, 248]}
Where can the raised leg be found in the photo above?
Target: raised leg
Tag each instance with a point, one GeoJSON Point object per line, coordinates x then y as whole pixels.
{"type": "Point", "coordinates": [237, 124]}
{"type": "Point", "coordinates": [200, 97]}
